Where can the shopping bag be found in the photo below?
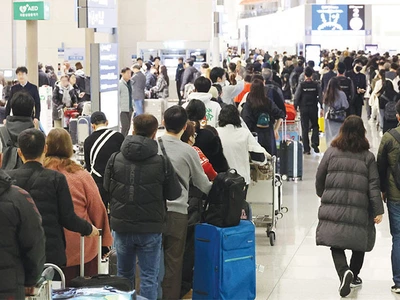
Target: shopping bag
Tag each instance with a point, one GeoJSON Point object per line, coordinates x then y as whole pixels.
{"type": "Point", "coordinates": [321, 123]}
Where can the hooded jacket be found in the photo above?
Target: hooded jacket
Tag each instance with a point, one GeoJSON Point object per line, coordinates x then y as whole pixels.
{"type": "Point", "coordinates": [22, 247]}
{"type": "Point", "coordinates": [213, 109]}
{"type": "Point", "coordinates": [348, 184]}
{"type": "Point", "coordinates": [139, 182]}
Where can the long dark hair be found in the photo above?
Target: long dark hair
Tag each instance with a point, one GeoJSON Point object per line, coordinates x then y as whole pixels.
{"type": "Point", "coordinates": [257, 99]}
{"type": "Point", "coordinates": [164, 72]}
{"type": "Point", "coordinates": [382, 74]}
{"type": "Point", "coordinates": [332, 91]}
{"type": "Point", "coordinates": [390, 93]}
{"type": "Point", "coordinates": [352, 136]}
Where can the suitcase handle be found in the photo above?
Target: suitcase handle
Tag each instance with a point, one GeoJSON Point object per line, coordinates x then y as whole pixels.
{"type": "Point", "coordinates": [82, 253]}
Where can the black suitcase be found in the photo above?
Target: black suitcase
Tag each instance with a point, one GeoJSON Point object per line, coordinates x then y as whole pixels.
{"type": "Point", "coordinates": [100, 280]}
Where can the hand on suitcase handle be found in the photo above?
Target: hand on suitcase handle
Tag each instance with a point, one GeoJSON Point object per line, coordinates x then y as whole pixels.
{"type": "Point", "coordinates": [95, 232]}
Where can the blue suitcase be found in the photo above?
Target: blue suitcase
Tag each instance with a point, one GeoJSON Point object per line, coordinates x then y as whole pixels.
{"type": "Point", "coordinates": [225, 266]}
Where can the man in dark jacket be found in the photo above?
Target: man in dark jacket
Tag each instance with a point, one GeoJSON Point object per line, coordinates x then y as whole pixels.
{"type": "Point", "coordinates": [22, 107]}
{"type": "Point", "coordinates": [328, 76]}
{"type": "Point", "coordinates": [272, 89]}
{"type": "Point", "coordinates": [138, 82]}
{"type": "Point", "coordinates": [388, 156]}
{"type": "Point", "coordinates": [50, 192]}
{"type": "Point", "coordinates": [295, 75]}
{"type": "Point", "coordinates": [189, 75]}
{"type": "Point", "coordinates": [98, 148]}
{"type": "Point", "coordinates": [22, 247]}
{"type": "Point", "coordinates": [43, 78]}
{"type": "Point", "coordinates": [346, 84]}
{"type": "Point", "coordinates": [178, 78]}
{"type": "Point", "coordinates": [24, 85]}
{"type": "Point", "coordinates": [360, 86]}
{"type": "Point", "coordinates": [138, 218]}
{"type": "Point", "coordinates": [307, 98]}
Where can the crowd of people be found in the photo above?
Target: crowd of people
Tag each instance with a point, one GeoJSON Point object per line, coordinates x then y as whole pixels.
{"type": "Point", "coordinates": [150, 191]}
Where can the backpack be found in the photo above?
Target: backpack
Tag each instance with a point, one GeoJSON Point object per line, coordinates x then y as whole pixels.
{"type": "Point", "coordinates": [223, 207]}
{"type": "Point", "coordinates": [390, 110]}
{"type": "Point", "coordinates": [263, 120]}
{"type": "Point", "coordinates": [396, 168]}
{"type": "Point", "coordinates": [11, 159]}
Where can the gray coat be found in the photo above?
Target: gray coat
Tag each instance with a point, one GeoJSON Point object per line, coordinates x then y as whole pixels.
{"type": "Point", "coordinates": [161, 88]}
{"type": "Point", "coordinates": [123, 96]}
{"type": "Point", "coordinates": [348, 184]}
{"type": "Point", "coordinates": [138, 81]}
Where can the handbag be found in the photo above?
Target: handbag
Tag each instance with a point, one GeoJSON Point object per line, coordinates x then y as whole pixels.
{"type": "Point", "coordinates": [336, 115]}
{"type": "Point", "coordinates": [261, 172]}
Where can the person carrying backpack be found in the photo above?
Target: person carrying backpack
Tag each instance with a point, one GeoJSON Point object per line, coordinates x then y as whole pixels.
{"type": "Point", "coordinates": [387, 106]}
{"type": "Point", "coordinates": [389, 174]}
{"type": "Point", "coordinates": [262, 116]}
{"type": "Point", "coordinates": [22, 107]}
{"type": "Point", "coordinates": [307, 98]}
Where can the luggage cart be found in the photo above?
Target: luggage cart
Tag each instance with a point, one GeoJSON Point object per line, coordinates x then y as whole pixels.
{"type": "Point", "coordinates": [43, 289]}
{"type": "Point", "coordinates": [267, 177]}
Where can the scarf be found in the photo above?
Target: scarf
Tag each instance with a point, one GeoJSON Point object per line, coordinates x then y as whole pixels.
{"type": "Point", "coordinates": [66, 100]}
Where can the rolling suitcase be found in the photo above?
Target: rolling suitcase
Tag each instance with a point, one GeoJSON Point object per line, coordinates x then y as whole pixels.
{"type": "Point", "coordinates": [225, 266]}
{"type": "Point", "coordinates": [73, 130]}
{"type": "Point", "coordinates": [155, 107]}
{"type": "Point", "coordinates": [84, 128]}
{"type": "Point", "coordinates": [290, 157]}
{"type": "Point", "coordinates": [100, 280]}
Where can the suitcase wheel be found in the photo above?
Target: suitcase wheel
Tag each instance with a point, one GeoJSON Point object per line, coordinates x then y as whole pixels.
{"type": "Point", "coordinates": [272, 238]}
{"type": "Point", "coordinates": [285, 210]}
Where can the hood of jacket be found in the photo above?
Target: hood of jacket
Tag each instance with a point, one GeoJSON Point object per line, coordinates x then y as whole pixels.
{"type": "Point", "coordinates": [15, 125]}
{"type": "Point", "coordinates": [205, 97]}
{"type": "Point", "coordinates": [80, 73]}
{"type": "Point", "coordinates": [5, 182]}
{"type": "Point", "coordinates": [138, 148]}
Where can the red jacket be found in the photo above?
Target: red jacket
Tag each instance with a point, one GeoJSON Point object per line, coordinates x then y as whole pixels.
{"type": "Point", "coordinates": [207, 166]}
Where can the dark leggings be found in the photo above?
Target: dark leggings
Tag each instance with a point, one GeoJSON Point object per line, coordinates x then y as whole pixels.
{"type": "Point", "coordinates": [340, 260]}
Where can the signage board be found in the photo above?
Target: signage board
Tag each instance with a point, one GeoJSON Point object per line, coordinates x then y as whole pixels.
{"type": "Point", "coordinates": [97, 17]}
{"type": "Point", "coordinates": [109, 73]}
{"type": "Point", "coordinates": [313, 52]}
{"type": "Point", "coordinates": [74, 54]}
{"type": "Point", "coordinates": [98, 3]}
{"type": "Point", "coordinates": [31, 11]}
{"type": "Point", "coordinates": [338, 17]}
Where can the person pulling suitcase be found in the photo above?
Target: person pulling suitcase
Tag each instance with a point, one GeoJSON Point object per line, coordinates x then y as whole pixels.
{"type": "Point", "coordinates": [307, 98]}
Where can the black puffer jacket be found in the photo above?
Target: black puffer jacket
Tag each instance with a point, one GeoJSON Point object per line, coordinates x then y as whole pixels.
{"type": "Point", "coordinates": [139, 182]}
{"type": "Point", "coordinates": [348, 184]}
{"type": "Point", "coordinates": [22, 245]}
{"type": "Point", "coordinates": [51, 194]}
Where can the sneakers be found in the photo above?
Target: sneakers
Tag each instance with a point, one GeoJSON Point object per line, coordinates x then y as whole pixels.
{"type": "Point", "coordinates": [315, 147]}
{"type": "Point", "coordinates": [307, 152]}
{"type": "Point", "coordinates": [396, 289]}
{"type": "Point", "coordinates": [357, 282]}
{"type": "Point", "coordinates": [344, 289]}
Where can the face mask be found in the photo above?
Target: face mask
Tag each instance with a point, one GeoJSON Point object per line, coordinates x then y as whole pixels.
{"type": "Point", "coordinates": [358, 68]}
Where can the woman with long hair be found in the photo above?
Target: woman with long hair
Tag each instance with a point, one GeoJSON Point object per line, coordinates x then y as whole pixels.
{"type": "Point", "coordinates": [262, 116]}
{"type": "Point", "coordinates": [86, 199]}
{"type": "Point", "coordinates": [378, 90]}
{"type": "Point", "coordinates": [336, 103]}
{"type": "Point", "coordinates": [388, 120]}
{"type": "Point", "coordinates": [205, 70]}
{"type": "Point", "coordinates": [347, 181]}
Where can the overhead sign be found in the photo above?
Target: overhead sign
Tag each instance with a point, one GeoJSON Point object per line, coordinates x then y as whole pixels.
{"type": "Point", "coordinates": [97, 17]}
{"type": "Point", "coordinates": [102, 3]}
{"type": "Point", "coordinates": [338, 17]}
{"type": "Point", "coordinates": [28, 11]}
{"type": "Point", "coordinates": [74, 54]}
{"type": "Point", "coordinates": [109, 74]}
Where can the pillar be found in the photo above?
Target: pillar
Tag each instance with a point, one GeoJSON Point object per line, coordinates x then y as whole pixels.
{"type": "Point", "coordinates": [32, 52]}
{"type": "Point", "coordinates": [89, 39]}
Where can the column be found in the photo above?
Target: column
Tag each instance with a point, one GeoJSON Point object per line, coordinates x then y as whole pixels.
{"type": "Point", "coordinates": [89, 39]}
{"type": "Point", "coordinates": [32, 52]}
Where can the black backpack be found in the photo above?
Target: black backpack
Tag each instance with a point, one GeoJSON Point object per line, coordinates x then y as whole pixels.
{"type": "Point", "coordinates": [11, 159]}
{"type": "Point", "coordinates": [225, 201]}
{"type": "Point", "coordinates": [390, 109]}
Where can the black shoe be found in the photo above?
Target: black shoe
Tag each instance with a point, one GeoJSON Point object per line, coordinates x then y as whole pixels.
{"type": "Point", "coordinates": [307, 152]}
{"type": "Point", "coordinates": [396, 289]}
{"type": "Point", "coordinates": [315, 147]}
{"type": "Point", "coordinates": [344, 289]}
{"type": "Point", "coordinates": [357, 282]}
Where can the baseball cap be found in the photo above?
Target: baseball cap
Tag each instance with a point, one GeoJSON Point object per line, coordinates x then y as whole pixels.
{"type": "Point", "coordinates": [98, 117]}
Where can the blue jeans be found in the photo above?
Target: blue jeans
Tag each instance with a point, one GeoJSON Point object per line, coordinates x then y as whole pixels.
{"type": "Point", "coordinates": [139, 109]}
{"type": "Point", "coordinates": [147, 247]}
{"type": "Point", "coordinates": [394, 219]}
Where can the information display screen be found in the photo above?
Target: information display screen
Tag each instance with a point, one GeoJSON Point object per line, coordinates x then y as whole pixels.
{"type": "Point", "coordinates": [109, 105]}
{"type": "Point", "coordinates": [338, 17]}
{"type": "Point", "coordinates": [313, 52]}
{"type": "Point", "coordinates": [109, 74]}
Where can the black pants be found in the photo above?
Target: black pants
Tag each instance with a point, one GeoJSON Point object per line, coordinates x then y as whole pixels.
{"type": "Point", "coordinates": [309, 115]}
{"type": "Point", "coordinates": [358, 104]}
{"type": "Point", "coordinates": [178, 90]}
{"type": "Point", "coordinates": [126, 119]}
{"type": "Point", "coordinates": [340, 260]}
{"type": "Point", "coordinates": [188, 262]}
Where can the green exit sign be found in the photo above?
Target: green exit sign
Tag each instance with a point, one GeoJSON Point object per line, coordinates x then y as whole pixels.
{"type": "Point", "coordinates": [38, 10]}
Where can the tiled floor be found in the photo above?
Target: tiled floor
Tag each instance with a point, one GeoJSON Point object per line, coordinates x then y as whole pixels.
{"type": "Point", "coordinates": [295, 268]}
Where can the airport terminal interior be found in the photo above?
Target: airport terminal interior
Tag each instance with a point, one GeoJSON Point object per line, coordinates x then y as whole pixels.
{"type": "Point", "coordinates": [200, 149]}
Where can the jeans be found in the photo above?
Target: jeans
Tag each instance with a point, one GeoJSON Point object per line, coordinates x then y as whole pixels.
{"type": "Point", "coordinates": [369, 108]}
{"type": "Point", "coordinates": [309, 114]}
{"type": "Point", "coordinates": [394, 219]}
{"type": "Point", "coordinates": [340, 260]}
{"type": "Point", "coordinates": [381, 117]}
{"type": "Point", "coordinates": [126, 119]}
{"type": "Point", "coordinates": [147, 247]}
{"type": "Point", "coordinates": [139, 109]}
{"type": "Point", "coordinates": [174, 247]}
